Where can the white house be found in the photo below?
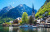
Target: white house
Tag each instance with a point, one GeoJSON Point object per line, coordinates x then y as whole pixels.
{"type": "Point", "coordinates": [48, 20]}
{"type": "Point", "coordinates": [11, 21]}
{"type": "Point", "coordinates": [38, 21]}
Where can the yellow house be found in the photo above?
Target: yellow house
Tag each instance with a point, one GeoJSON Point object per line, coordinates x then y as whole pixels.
{"type": "Point", "coordinates": [19, 21]}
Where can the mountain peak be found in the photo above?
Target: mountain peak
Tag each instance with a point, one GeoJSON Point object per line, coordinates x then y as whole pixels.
{"type": "Point", "coordinates": [21, 5]}
{"type": "Point", "coordinates": [8, 7]}
{"type": "Point", "coordinates": [5, 10]}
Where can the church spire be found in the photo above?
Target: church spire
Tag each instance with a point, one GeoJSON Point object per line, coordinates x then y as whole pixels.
{"type": "Point", "coordinates": [33, 12]}
{"type": "Point", "coordinates": [32, 7]}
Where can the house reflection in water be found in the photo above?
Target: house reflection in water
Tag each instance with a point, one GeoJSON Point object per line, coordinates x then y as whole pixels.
{"type": "Point", "coordinates": [10, 29]}
{"type": "Point", "coordinates": [15, 29]}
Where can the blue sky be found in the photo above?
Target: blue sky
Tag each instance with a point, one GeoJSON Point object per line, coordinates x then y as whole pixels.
{"type": "Point", "coordinates": [14, 3]}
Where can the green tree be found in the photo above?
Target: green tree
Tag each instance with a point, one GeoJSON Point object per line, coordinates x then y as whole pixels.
{"type": "Point", "coordinates": [30, 20]}
{"type": "Point", "coordinates": [25, 18]}
{"type": "Point", "coordinates": [35, 22]}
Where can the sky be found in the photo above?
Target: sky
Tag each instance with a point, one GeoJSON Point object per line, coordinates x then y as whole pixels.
{"type": "Point", "coordinates": [14, 3]}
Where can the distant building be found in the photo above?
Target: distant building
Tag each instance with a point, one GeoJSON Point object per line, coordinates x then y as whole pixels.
{"type": "Point", "coordinates": [17, 20]}
{"type": "Point", "coordinates": [46, 12]}
{"type": "Point", "coordinates": [11, 21]}
{"type": "Point", "coordinates": [38, 21]}
{"type": "Point", "coordinates": [48, 20]}
{"type": "Point", "coordinates": [42, 22]}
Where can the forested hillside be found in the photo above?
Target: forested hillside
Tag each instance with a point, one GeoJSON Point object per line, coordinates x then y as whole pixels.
{"type": "Point", "coordinates": [2, 20]}
{"type": "Point", "coordinates": [44, 10]}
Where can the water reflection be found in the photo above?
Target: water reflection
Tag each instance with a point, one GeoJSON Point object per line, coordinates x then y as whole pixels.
{"type": "Point", "coordinates": [28, 29]}
{"type": "Point", "coordinates": [4, 29]}
{"type": "Point", "coordinates": [10, 29]}
{"type": "Point", "coordinates": [15, 29]}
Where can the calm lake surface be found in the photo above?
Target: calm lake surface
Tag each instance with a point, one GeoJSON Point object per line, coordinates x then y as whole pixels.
{"type": "Point", "coordinates": [15, 29]}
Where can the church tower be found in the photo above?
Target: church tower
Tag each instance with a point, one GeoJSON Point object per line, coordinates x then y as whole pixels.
{"type": "Point", "coordinates": [33, 12]}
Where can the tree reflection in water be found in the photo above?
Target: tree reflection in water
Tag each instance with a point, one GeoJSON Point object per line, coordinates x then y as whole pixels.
{"type": "Point", "coordinates": [15, 29]}
{"type": "Point", "coordinates": [28, 29]}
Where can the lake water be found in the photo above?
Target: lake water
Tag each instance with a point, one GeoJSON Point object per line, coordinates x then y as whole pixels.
{"type": "Point", "coordinates": [15, 29]}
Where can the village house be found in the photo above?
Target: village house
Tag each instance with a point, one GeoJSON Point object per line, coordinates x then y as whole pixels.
{"type": "Point", "coordinates": [11, 21]}
{"type": "Point", "coordinates": [48, 20]}
{"type": "Point", "coordinates": [17, 20]}
{"type": "Point", "coordinates": [5, 24]}
{"type": "Point", "coordinates": [42, 22]}
{"type": "Point", "coordinates": [38, 21]}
